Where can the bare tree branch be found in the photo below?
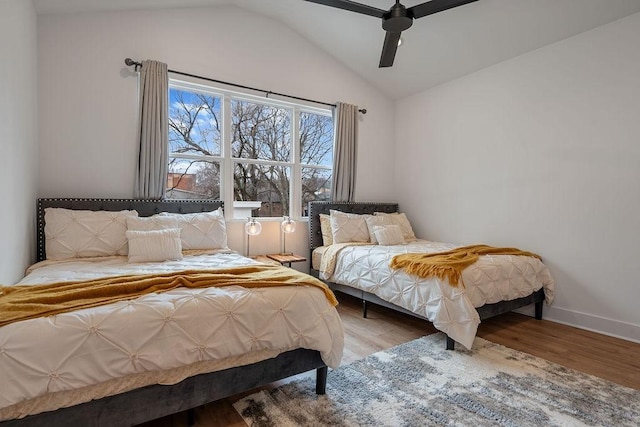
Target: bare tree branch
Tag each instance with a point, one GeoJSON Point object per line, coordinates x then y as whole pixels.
{"type": "Point", "coordinates": [259, 131]}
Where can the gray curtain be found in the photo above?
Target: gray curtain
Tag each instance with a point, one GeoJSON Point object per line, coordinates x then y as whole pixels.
{"type": "Point", "coordinates": [345, 150]}
{"type": "Point", "coordinates": [151, 178]}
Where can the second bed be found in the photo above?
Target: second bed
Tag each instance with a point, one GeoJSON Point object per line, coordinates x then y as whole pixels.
{"type": "Point", "coordinates": [493, 285]}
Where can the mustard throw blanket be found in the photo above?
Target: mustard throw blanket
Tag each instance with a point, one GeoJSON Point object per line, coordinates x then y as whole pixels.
{"type": "Point", "coordinates": [30, 301]}
{"type": "Point", "coordinates": [450, 264]}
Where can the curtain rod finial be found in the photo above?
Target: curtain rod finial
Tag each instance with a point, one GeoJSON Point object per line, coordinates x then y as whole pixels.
{"type": "Point", "coordinates": [129, 62]}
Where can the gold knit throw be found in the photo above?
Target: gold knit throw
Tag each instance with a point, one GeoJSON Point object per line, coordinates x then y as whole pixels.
{"type": "Point", "coordinates": [449, 265]}
{"type": "Point", "coordinates": [23, 302]}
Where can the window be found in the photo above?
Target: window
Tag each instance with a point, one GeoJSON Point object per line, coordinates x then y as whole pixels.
{"type": "Point", "coordinates": [248, 151]}
{"type": "Point", "coordinates": [195, 145]}
{"type": "Point", "coordinates": [316, 157]}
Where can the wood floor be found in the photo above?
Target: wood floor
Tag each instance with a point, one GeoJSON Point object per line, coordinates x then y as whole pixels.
{"type": "Point", "coordinates": [606, 357]}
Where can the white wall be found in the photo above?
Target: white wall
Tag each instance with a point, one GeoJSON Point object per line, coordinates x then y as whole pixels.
{"type": "Point", "coordinates": [540, 152]}
{"type": "Point", "coordinates": [18, 137]}
{"type": "Point", "coordinates": [88, 98]}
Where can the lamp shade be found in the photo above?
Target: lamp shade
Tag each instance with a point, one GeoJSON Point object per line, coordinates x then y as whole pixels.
{"type": "Point", "coordinates": [252, 227]}
{"type": "Point", "coordinates": [288, 225]}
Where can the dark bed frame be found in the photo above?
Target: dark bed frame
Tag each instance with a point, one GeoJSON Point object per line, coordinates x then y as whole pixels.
{"type": "Point", "coordinates": [315, 241]}
{"type": "Point", "coordinates": [155, 401]}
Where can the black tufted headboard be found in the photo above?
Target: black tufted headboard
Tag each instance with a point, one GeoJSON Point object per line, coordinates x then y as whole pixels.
{"type": "Point", "coordinates": [144, 208]}
{"type": "Point", "coordinates": [317, 208]}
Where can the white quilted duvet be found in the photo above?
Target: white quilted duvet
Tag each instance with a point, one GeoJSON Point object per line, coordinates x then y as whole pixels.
{"type": "Point", "coordinates": [492, 279]}
{"type": "Point", "coordinates": [156, 332]}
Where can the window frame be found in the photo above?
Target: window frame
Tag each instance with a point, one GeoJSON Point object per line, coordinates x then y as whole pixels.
{"type": "Point", "coordinates": [227, 162]}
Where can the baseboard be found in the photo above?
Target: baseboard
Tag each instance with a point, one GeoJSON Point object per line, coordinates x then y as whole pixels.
{"type": "Point", "coordinates": [589, 322]}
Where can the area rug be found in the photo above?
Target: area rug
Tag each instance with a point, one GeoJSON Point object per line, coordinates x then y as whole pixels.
{"type": "Point", "coordinates": [421, 384]}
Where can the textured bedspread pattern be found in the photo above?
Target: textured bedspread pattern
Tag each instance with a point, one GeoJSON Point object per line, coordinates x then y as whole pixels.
{"type": "Point", "coordinates": [449, 265]}
{"type": "Point", "coordinates": [46, 357]}
{"type": "Point", "coordinates": [28, 302]}
{"type": "Point", "coordinates": [493, 278]}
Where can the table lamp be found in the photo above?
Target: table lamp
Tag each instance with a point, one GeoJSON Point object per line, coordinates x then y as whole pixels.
{"type": "Point", "coordinates": [286, 226]}
{"type": "Point", "coordinates": [252, 228]}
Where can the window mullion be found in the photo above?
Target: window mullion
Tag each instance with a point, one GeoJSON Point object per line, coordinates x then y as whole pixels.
{"type": "Point", "coordinates": [195, 157]}
{"type": "Point", "coordinates": [226, 179]}
{"type": "Point", "coordinates": [295, 185]}
{"type": "Point", "coordinates": [306, 165]}
{"type": "Point", "coordinates": [261, 162]}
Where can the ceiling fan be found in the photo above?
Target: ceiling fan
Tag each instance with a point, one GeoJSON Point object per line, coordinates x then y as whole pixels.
{"type": "Point", "coordinates": [395, 20]}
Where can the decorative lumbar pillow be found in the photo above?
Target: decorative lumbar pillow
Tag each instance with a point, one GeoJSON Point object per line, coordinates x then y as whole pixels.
{"type": "Point", "coordinates": [154, 245]}
{"type": "Point", "coordinates": [325, 228]}
{"type": "Point", "coordinates": [389, 235]}
{"type": "Point", "coordinates": [377, 221]}
{"type": "Point", "coordinates": [71, 233]}
{"type": "Point", "coordinates": [401, 220]}
{"type": "Point", "coordinates": [348, 227]}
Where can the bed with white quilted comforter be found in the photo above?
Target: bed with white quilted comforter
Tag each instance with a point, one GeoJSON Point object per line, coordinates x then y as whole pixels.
{"type": "Point", "coordinates": [492, 279]}
{"type": "Point", "coordinates": [157, 338]}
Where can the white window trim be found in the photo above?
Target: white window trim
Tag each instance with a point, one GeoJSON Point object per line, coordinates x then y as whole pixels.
{"type": "Point", "coordinates": [227, 162]}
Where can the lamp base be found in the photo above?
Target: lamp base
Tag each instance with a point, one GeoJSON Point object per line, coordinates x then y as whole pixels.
{"type": "Point", "coordinates": [286, 253]}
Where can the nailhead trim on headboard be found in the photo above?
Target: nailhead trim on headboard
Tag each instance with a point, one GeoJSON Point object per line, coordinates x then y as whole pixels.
{"type": "Point", "coordinates": [317, 208]}
{"type": "Point", "coordinates": [145, 207]}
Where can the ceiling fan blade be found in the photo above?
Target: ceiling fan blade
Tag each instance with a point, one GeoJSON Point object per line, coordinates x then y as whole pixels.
{"type": "Point", "coordinates": [389, 49]}
{"type": "Point", "coordinates": [352, 6]}
{"type": "Point", "coordinates": [435, 6]}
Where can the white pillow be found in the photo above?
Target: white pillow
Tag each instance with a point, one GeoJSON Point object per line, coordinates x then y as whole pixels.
{"type": "Point", "coordinates": [154, 245]}
{"type": "Point", "coordinates": [202, 230]}
{"type": "Point", "coordinates": [71, 233]}
{"type": "Point", "coordinates": [376, 221]}
{"type": "Point", "coordinates": [154, 222]}
{"type": "Point", "coordinates": [217, 212]}
{"type": "Point", "coordinates": [401, 220]}
{"type": "Point", "coordinates": [325, 228]}
{"type": "Point", "coordinates": [389, 235]}
{"type": "Point", "coordinates": [348, 227]}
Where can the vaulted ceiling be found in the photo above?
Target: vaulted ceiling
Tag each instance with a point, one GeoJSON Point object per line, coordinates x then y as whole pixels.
{"type": "Point", "coordinates": [436, 49]}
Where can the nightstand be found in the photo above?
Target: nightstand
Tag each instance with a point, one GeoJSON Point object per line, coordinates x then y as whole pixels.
{"type": "Point", "coordinates": [263, 259]}
{"type": "Point", "coordinates": [286, 259]}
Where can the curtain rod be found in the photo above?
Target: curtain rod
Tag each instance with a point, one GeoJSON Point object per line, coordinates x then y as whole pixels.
{"type": "Point", "coordinates": [130, 62]}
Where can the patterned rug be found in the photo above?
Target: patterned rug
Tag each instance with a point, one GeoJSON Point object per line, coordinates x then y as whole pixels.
{"type": "Point", "coordinates": [420, 384]}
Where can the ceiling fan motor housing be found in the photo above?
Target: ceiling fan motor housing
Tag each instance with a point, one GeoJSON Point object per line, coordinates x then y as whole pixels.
{"type": "Point", "coordinates": [397, 19]}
